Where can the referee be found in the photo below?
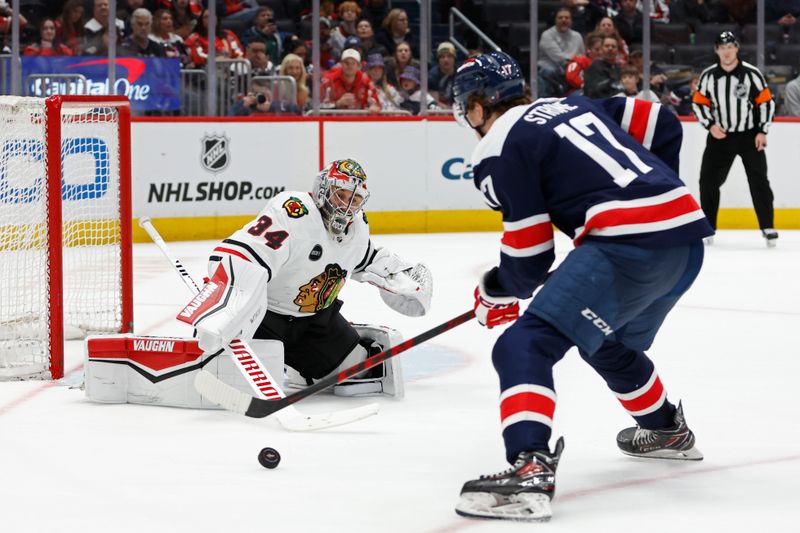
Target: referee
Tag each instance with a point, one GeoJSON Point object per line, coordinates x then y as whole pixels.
{"type": "Point", "coordinates": [735, 105]}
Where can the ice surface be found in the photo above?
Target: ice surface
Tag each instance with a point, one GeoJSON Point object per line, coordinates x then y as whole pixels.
{"type": "Point", "coordinates": [729, 350]}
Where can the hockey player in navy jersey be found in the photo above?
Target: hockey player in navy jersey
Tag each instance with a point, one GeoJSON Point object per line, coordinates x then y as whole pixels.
{"type": "Point", "coordinates": [605, 173]}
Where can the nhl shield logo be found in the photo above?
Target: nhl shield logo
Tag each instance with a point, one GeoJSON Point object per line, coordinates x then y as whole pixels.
{"type": "Point", "coordinates": [740, 90]}
{"type": "Point", "coordinates": [214, 156]}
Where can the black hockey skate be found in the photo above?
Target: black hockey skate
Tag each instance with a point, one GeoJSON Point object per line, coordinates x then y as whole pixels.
{"type": "Point", "coordinates": [771, 237]}
{"type": "Point", "coordinates": [523, 492]}
{"type": "Point", "coordinates": [676, 442]}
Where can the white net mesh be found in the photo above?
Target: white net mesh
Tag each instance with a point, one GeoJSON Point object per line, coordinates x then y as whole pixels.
{"type": "Point", "coordinates": [91, 243]}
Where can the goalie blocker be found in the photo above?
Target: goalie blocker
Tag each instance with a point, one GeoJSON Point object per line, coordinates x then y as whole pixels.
{"type": "Point", "coordinates": [151, 370]}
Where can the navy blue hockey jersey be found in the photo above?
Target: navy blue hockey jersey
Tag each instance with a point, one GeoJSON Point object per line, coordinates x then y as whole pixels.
{"type": "Point", "coordinates": [595, 169]}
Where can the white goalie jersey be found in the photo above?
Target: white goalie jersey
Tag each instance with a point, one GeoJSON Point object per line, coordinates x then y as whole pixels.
{"type": "Point", "coordinates": [306, 268]}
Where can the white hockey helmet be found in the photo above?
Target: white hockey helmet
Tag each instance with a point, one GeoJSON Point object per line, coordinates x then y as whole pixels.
{"type": "Point", "coordinates": [340, 192]}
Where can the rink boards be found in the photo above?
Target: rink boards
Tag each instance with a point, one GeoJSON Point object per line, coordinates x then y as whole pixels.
{"type": "Point", "coordinates": [201, 178]}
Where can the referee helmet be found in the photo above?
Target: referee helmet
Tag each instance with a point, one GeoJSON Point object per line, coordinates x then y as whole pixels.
{"type": "Point", "coordinates": [726, 37]}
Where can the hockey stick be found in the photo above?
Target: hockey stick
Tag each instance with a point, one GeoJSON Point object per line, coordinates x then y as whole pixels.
{"type": "Point", "coordinates": [256, 375]}
{"type": "Point", "coordinates": [233, 399]}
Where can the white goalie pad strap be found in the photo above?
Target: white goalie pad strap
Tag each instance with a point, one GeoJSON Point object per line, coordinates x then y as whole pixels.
{"type": "Point", "coordinates": [411, 302]}
{"type": "Point", "coordinates": [161, 370]}
{"type": "Point", "coordinates": [391, 383]}
{"type": "Point", "coordinates": [230, 305]}
{"type": "Point", "coordinates": [391, 380]}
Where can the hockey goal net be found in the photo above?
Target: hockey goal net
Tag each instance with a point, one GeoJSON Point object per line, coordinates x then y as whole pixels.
{"type": "Point", "coordinates": [65, 227]}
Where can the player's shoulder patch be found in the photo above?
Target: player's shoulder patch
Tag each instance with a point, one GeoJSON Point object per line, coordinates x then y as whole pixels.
{"type": "Point", "coordinates": [295, 207]}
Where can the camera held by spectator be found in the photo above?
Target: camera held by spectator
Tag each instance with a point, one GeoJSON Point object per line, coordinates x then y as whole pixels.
{"type": "Point", "coordinates": [261, 99]}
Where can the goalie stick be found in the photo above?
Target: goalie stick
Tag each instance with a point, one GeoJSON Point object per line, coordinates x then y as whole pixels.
{"type": "Point", "coordinates": [256, 375]}
{"type": "Point", "coordinates": [234, 400]}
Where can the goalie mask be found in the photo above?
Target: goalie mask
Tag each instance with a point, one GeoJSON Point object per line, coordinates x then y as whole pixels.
{"type": "Point", "coordinates": [340, 192]}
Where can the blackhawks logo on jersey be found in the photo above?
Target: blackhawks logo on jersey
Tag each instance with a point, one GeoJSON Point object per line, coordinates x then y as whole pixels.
{"type": "Point", "coordinates": [295, 208]}
{"type": "Point", "coordinates": [321, 290]}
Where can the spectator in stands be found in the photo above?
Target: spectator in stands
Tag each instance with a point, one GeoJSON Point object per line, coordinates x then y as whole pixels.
{"type": "Point", "coordinates": [93, 43]}
{"type": "Point", "coordinates": [237, 13]}
{"type": "Point", "coordinates": [629, 22]}
{"type": "Point", "coordinates": [394, 30]}
{"type": "Point", "coordinates": [265, 30]}
{"type": "Point", "coordinates": [5, 18]}
{"type": "Point", "coordinates": [557, 45]}
{"type": "Point", "coordinates": [441, 76]}
{"type": "Point", "coordinates": [740, 11]}
{"type": "Point", "coordinates": [791, 99]}
{"type": "Point", "coordinates": [579, 63]}
{"type": "Point", "coordinates": [327, 55]}
{"type": "Point", "coordinates": [388, 95]}
{"type": "Point", "coordinates": [5, 27]}
{"type": "Point", "coordinates": [395, 65]}
{"type": "Point", "coordinates": [784, 13]}
{"type": "Point", "coordinates": [691, 12]}
{"type": "Point", "coordinates": [349, 88]}
{"type": "Point", "coordinates": [606, 28]}
{"type": "Point", "coordinates": [256, 53]}
{"type": "Point", "coordinates": [659, 11]}
{"type": "Point", "coordinates": [258, 101]}
{"type": "Point", "coordinates": [630, 80]}
{"type": "Point", "coordinates": [353, 42]}
{"type": "Point", "coordinates": [297, 46]}
{"type": "Point", "coordinates": [49, 44]}
{"type": "Point", "coordinates": [292, 65]}
{"type": "Point", "coordinates": [125, 9]}
{"type": "Point", "coordinates": [366, 33]}
{"type": "Point", "coordinates": [69, 26]}
{"type": "Point", "coordinates": [412, 96]}
{"type": "Point", "coordinates": [374, 11]}
{"type": "Point", "coordinates": [681, 102]}
{"type": "Point", "coordinates": [585, 14]}
{"type": "Point", "coordinates": [348, 15]}
{"type": "Point", "coordinates": [172, 43]}
{"type": "Point", "coordinates": [602, 78]}
{"type": "Point", "coordinates": [139, 43]}
{"type": "Point", "coordinates": [658, 80]}
{"type": "Point", "coordinates": [185, 15]}
{"type": "Point", "coordinates": [227, 45]}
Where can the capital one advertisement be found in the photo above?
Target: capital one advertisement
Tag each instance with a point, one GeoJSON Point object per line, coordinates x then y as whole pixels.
{"type": "Point", "coordinates": [151, 84]}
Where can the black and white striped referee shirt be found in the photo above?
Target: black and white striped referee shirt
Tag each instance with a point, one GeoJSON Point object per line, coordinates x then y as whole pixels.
{"type": "Point", "coordinates": [738, 100]}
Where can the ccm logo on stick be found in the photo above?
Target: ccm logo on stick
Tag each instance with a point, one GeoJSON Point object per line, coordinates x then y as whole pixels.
{"type": "Point", "coordinates": [601, 324]}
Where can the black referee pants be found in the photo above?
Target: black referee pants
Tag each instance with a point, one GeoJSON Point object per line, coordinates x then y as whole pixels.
{"type": "Point", "coordinates": [717, 160]}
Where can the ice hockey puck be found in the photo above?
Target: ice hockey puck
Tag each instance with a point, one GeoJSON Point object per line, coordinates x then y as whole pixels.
{"type": "Point", "coordinates": [269, 457]}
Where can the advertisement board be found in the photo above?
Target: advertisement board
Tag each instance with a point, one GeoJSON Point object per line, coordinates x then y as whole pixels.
{"type": "Point", "coordinates": [214, 169]}
{"type": "Point", "coordinates": [151, 84]}
{"type": "Point", "coordinates": [88, 180]}
{"type": "Point", "coordinates": [420, 176]}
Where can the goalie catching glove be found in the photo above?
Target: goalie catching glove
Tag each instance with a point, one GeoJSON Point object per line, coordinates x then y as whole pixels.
{"type": "Point", "coordinates": [404, 287]}
{"type": "Point", "coordinates": [230, 305]}
{"type": "Point", "coordinates": [492, 309]}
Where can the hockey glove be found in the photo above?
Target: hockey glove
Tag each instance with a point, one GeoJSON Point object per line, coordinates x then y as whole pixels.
{"type": "Point", "coordinates": [493, 310]}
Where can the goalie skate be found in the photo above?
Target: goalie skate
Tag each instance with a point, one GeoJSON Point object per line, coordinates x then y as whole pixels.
{"type": "Point", "coordinates": [523, 492]}
{"type": "Point", "coordinates": [676, 442]}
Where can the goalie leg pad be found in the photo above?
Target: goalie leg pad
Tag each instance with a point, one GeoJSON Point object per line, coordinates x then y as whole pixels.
{"type": "Point", "coordinates": [161, 370]}
{"type": "Point", "coordinates": [384, 379]}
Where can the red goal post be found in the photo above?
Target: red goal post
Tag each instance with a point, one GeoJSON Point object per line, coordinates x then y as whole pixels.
{"type": "Point", "coordinates": [65, 227]}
